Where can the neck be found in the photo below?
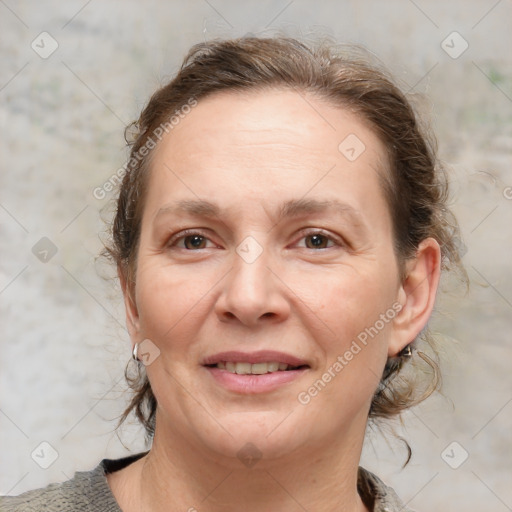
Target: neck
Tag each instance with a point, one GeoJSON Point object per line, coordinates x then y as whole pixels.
{"type": "Point", "coordinates": [178, 476]}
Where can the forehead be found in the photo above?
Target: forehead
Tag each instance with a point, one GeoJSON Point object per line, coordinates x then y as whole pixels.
{"type": "Point", "coordinates": [284, 141]}
{"type": "Point", "coordinates": [270, 118]}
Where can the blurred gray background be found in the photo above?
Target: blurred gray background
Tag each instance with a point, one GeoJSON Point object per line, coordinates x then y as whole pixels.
{"type": "Point", "coordinates": [75, 73]}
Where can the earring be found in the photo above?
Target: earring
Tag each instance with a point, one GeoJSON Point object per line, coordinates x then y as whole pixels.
{"type": "Point", "coordinates": [135, 352]}
{"type": "Point", "coordinates": [406, 352]}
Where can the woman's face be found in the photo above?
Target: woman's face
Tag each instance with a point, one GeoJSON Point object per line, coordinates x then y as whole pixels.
{"type": "Point", "coordinates": [265, 229]}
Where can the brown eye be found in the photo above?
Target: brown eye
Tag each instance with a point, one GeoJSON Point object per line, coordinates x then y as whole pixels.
{"type": "Point", "coordinates": [191, 241]}
{"type": "Point", "coordinates": [194, 242]}
{"type": "Point", "coordinates": [317, 241]}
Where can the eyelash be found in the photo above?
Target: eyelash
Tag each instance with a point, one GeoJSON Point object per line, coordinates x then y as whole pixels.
{"type": "Point", "coordinates": [191, 232]}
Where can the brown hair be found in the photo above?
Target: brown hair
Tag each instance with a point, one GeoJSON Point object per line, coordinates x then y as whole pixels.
{"type": "Point", "coordinates": [416, 189]}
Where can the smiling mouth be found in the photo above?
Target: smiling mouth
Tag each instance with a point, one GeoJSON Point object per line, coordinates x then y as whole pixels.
{"type": "Point", "coordinates": [242, 368]}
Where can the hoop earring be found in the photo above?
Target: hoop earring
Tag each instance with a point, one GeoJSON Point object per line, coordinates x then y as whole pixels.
{"type": "Point", "coordinates": [135, 352]}
{"type": "Point", "coordinates": [406, 352]}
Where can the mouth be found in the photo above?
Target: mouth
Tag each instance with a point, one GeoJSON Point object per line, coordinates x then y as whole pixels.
{"type": "Point", "coordinates": [256, 372]}
{"type": "Point", "coordinates": [242, 368]}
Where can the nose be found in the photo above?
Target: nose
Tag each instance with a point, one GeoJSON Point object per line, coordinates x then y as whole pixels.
{"type": "Point", "coordinates": [252, 293]}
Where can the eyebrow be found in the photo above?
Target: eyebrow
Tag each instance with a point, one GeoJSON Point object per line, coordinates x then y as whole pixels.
{"type": "Point", "coordinates": [289, 209]}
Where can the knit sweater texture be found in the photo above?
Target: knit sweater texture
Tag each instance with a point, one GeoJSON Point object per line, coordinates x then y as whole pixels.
{"type": "Point", "coordinates": [88, 491]}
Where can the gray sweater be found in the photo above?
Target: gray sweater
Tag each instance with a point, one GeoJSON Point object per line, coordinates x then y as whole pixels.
{"type": "Point", "coordinates": [88, 491]}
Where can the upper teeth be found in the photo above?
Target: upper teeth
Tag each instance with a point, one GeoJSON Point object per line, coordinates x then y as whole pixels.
{"type": "Point", "coordinates": [254, 368]}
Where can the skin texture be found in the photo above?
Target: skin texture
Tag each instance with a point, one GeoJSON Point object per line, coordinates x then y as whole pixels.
{"type": "Point", "coordinates": [249, 153]}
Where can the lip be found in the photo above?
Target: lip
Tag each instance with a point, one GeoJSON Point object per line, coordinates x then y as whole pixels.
{"type": "Point", "coordinates": [252, 384]}
{"type": "Point", "coordinates": [262, 356]}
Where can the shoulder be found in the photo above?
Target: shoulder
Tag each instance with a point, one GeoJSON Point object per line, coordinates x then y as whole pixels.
{"type": "Point", "coordinates": [86, 491]}
{"type": "Point", "coordinates": [75, 494]}
{"type": "Point", "coordinates": [377, 495]}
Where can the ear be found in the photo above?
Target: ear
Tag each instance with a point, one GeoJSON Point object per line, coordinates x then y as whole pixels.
{"type": "Point", "coordinates": [417, 295]}
{"type": "Point", "coordinates": [132, 315]}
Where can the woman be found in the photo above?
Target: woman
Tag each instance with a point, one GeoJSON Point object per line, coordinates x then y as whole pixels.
{"type": "Point", "coordinates": [279, 238]}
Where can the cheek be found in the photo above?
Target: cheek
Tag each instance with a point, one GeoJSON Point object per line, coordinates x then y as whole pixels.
{"type": "Point", "coordinates": [348, 298]}
{"type": "Point", "coordinates": [170, 302]}
{"type": "Point", "coordinates": [356, 310]}
{"type": "Point", "coordinates": [354, 349]}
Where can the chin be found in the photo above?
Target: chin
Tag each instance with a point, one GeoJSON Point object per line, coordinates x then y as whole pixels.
{"type": "Point", "coordinates": [255, 435]}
